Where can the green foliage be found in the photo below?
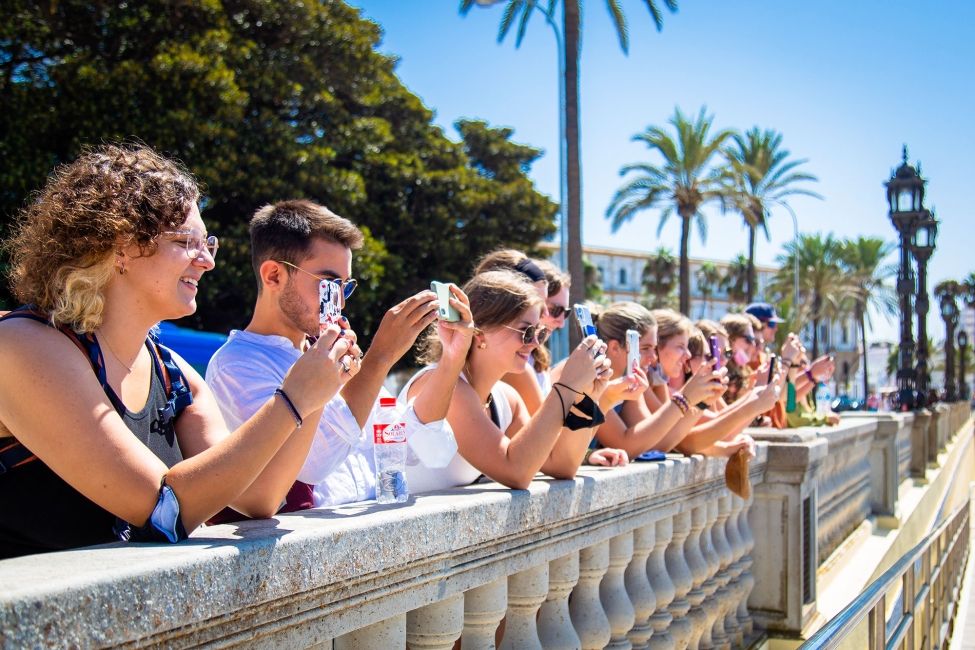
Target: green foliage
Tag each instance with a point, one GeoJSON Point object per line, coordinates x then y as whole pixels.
{"type": "Point", "coordinates": [708, 279]}
{"type": "Point", "coordinates": [264, 101]}
{"type": "Point", "coordinates": [660, 278]}
{"type": "Point", "coordinates": [594, 283]}
{"type": "Point", "coordinates": [735, 280]}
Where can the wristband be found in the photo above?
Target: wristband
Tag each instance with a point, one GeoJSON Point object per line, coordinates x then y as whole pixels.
{"type": "Point", "coordinates": [290, 405]}
{"type": "Point", "coordinates": [810, 376]}
{"type": "Point", "coordinates": [681, 403]}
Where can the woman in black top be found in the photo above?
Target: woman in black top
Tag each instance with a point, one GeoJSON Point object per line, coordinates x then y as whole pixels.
{"type": "Point", "coordinates": [112, 245]}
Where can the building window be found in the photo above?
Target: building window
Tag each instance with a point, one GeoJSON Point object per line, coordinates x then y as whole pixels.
{"type": "Point", "coordinates": [622, 277]}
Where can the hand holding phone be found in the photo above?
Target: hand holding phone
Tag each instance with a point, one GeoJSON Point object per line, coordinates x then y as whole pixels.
{"type": "Point", "coordinates": [444, 311]}
{"type": "Point", "coordinates": [329, 304]}
{"type": "Point", "coordinates": [716, 352]}
{"type": "Point", "coordinates": [773, 367]}
{"type": "Point", "coordinates": [584, 317]}
{"type": "Point", "coordinates": [632, 351]}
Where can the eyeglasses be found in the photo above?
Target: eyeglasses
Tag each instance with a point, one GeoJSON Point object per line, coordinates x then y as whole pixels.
{"type": "Point", "coordinates": [195, 242]}
{"type": "Point", "coordinates": [749, 339]}
{"type": "Point", "coordinates": [532, 334]}
{"type": "Point", "coordinates": [347, 286]}
{"type": "Point", "coordinates": [557, 311]}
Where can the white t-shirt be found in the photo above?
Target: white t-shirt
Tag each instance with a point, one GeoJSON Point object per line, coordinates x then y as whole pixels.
{"type": "Point", "coordinates": [419, 477]}
{"type": "Point", "coordinates": [243, 375]}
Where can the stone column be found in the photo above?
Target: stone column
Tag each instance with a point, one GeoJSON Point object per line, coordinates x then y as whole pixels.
{"type": "Point", "coordinates": [612, 592]}
{"type": "Point", "coordinates": [724, 595]}
{"type": "Point", "coordinates": [436, 626]}
{"type": "Point", "coordinates": [585, 607]}
{"type": "Point", "coordinates": [680, 573]}
{"type": "Point", "coordinates": [663, 586]}
{"type": "Point", "coordinates": [526, 592]}
{"type": "Point", "coordinates": [638, 586]}
{"type": "Point", "coordinates": [390, 633]}
{"type": "Point", "coordinates": [747, 579]}
{"type": "Point", "coordinates": [710, 586]}
{"type": "Point", "coordinates": [484, 607]}
{"type": "Point", "coordinates": [699, 573]}
{"type": "Point", "coordinates": [555, 629]}
{"type": "Point", "coordinates": [919, 446]}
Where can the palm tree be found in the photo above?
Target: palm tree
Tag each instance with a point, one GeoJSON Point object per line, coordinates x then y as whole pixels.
{"type": "Point", "coordinates": [594, 280]}
{"type": "Point", "coordinates": [735, 279]}
{"type": "Point", "coordinates": [822, 283]}
{"type": "Point", "coordinates": [863, 260]}
{"type": "Point", "coordinates": [521, 11]}
{"type": "Point", "coordinates": [761, 176]}
{"type": "Point", "coordinates": [708, 277]}
{"type": "Point", "coordinates": [687, 179]}
{"type": "Point", "coordinates": [658, 277]}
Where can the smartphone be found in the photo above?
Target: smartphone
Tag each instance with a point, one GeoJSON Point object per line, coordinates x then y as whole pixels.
{"type": "Point", "coordinates": [445, 312]}
{"type": "Point", "coordinates": [773, 366]}
{"type": "Point", "coordinates": [585, 320]}
{"type": "Point", "coordinates": [632, 351]}
{"type": "Point", "coordinates": [716, 352]}
{"type": "Point", "coordinates": [329, 304]}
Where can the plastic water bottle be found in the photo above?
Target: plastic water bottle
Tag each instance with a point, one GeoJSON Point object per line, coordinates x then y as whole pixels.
{"type": "Point", "coordinates": [389, 449]}
{"type": "Point", "coordinates": [823, 398]}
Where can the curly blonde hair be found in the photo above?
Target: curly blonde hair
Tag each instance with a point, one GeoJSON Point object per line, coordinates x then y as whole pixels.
{"type": "Point", "coordinates": [63, 244]}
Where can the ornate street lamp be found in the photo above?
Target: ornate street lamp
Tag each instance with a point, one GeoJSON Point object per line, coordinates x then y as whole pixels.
{"type": "Point", "coordinates": [963, 391]}
{"type": "Point", "coordinates": [949, 314]}
{"type": "Point", "coordinates": [925, 234]}
{"type": "Point", "coordinates": [905, 199]}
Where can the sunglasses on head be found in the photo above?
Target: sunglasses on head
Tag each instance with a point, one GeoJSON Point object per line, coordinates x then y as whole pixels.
{"type": "Point", "coordinates": [558, 311]}
{"type": "Point", "coordinates": [531, 334]}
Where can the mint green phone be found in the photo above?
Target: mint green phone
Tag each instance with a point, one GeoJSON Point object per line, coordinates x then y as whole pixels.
{"type": "Point", "coordinates": [445, 312]}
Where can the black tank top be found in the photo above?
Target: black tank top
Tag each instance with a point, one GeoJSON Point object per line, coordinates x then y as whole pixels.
{"type": "Point", "coordinates": [40, 512]}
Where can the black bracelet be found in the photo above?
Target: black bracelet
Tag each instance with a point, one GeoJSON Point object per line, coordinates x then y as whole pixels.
{"type": "Point", "coordinates": [291, 406]}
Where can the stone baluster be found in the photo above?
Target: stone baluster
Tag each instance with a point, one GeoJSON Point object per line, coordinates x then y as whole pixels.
{"type": "Point", "coordinates": [526, 592]}
{"type": "Point", "coordinates": [723, 595]}
{"type": "Point", "coordinates": [710, 586]}
{"type": "Point", "coordinates": [586, 609]}
{"type": "Point", "coordinates": [663, 586]}
{"type": "Point", "coordinates": [436, 626]}
{"type": "Point", "coordinates": [555, 629]}
{"type": "Point", "coordinates": [735, 569]}
{"type": "Point", "coordinates": [612, 592]}
{"type": "Point", "coordinates": [680, 573]}
{"type": "Point", "coordinates": [390, 633]}
{"type": "Point", "coordinates": [699, 573]}
{"type": "Point", "coordinates": [639, 588]}
{"type": "Point", "coordinates": [747, 579]}
{"type": "Point", "coordinates": [484, 607]}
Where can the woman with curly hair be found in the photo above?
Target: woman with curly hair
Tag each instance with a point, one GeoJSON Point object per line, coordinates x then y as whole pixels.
{"type": "Point", "coordinates": [104, 434]}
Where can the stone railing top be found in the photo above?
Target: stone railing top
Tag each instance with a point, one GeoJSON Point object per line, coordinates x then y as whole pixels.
{"type": "Point", "coordinates": [331, 555]}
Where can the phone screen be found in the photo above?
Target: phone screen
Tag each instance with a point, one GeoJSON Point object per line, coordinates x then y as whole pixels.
{"type": "Point", "coordinates": [585, 320]}
{"type": "Point", "coordinates": [773, 366]}
{"type": "Point", "coordinates": [632, 351]}
{"type": "Point", "coordinates": [716, 352]}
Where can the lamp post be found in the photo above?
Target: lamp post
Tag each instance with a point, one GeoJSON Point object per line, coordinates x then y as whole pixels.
{"type": "Point", "coordinates": [905, 195]}
{"type": "Point", "coordinates": [963, 391]}
{"type": "Point", "coordinates": [922, 246]}
{"type": "Point", "coordinates": [949, 314]}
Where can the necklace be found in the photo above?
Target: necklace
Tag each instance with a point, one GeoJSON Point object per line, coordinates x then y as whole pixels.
{"type": "Point", "coordinates": [109, 346]}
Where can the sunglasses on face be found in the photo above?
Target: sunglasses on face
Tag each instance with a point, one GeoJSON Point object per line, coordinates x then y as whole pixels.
{"type": "Point", "coordinates": [557, 311]}
{"type": "Point", "coordinates": [347, 286]}
{"type": "Point", "coordinates": [531, 334]}
{"type": "Point", "coordinates": [195, 242]}
{"type": "Point", "coordinates": [749, 339]}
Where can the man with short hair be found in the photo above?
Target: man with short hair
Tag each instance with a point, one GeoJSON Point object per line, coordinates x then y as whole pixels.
{"type": "Point", "coordinates": [765, 312]}
{"type": "Point", "coordinates": [294, 246]}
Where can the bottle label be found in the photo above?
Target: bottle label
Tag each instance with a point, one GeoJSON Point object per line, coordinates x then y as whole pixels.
{"type": "Point", "coordinates": [384, 434]}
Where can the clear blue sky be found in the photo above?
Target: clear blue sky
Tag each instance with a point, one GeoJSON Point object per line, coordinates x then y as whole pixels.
{"type": "Point", "coordinates": [846, 83]}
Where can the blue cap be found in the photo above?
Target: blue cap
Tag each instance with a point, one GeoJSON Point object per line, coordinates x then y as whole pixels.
{"type": "Point", "coordinates": [763, 312]}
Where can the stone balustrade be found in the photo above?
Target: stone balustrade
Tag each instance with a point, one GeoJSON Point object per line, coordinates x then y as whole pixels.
{"type": "Point", "coordinates": [654, 555]}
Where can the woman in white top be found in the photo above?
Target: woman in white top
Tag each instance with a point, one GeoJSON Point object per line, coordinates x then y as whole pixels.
{"type": "Point", "coordinates": [496, 436]}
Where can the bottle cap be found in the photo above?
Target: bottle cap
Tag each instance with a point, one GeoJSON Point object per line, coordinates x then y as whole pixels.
{"type": "Point", "coordinates": [387, 402]}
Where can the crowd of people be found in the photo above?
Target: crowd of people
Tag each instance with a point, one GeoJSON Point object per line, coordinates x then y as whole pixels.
{"type": "Point", "coordinates": [116, 437]}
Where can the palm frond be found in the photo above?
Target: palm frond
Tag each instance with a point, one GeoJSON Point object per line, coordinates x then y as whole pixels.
{"type": "Point", "coordinates": [508, 17]}
{"type": "Point", "coordinates": [664, 216]}
{"type": "Point", "coordinates": [523, 23]}
{"type": "Point", "coordinates": [619, 21]}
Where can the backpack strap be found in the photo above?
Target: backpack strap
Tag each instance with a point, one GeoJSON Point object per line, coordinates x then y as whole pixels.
{"type": "Point", "coordinates": [178, 394]}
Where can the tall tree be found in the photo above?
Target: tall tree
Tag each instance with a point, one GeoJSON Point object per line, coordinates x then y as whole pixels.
{"type": "Point", "coordinates": [708, 277]}
{"type": "Point", "coordinates": [822, 283]}
{"type": "Point", "coordinates": [264, 101]}
{"type": "Point", "coordinates": [658, 277]}
{"type": "Point", "coordinates": [735, 280]}
{"type": "Point", "coordinates": [687, 179]}
{"type": "Point", "coordinates": [864, 260]}
{"type": "Point", "coordinates": [762, 176]}
{"type": "Point", "coordinates": [520, 12]}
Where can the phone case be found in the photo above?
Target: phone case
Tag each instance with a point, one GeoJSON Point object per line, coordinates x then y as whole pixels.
{"type": "Point", "coordinates": [329, 303]}
{"type": "Point", "coordinates": [444, 311]}
{"type": "Point", "coordinates": [632, 350]}
{"type": "Point", "coordinates": [585, 320]}
{"type": "Point", "coordinates": [716, 353]}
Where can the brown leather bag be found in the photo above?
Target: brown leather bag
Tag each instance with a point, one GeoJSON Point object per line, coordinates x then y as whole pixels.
{"type": "Point", "coordinates": [736, 474]}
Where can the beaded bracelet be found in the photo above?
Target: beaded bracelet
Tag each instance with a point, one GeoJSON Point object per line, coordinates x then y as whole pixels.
{"type": "Point", "coordinates": [681, 403]}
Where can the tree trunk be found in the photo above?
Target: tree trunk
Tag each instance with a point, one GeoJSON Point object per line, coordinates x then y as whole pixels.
{"type": "Point", "coordinates": [685, 266]}
{"type": "Point", "coordinates": [750, 275]}
{"type": "Point", "coordinates": [573, 211]}
{"type": "Point", "coordinates": [862, 322]}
